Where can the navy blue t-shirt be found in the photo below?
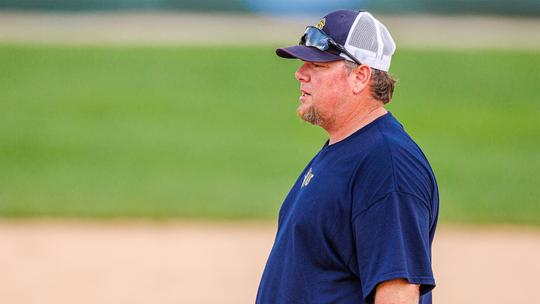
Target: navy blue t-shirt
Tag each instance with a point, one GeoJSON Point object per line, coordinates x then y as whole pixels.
{"type": "Point", "coordinates": [362, 212]}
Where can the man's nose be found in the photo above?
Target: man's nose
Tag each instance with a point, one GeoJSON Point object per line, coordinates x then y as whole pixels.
{"type": "Point", "coordinates": [301, 74]}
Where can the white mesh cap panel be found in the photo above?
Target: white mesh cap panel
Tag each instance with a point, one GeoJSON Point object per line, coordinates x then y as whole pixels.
{"type": "Point", "coordinates": [364, 36]}
{"type": "Point", "coordinates": [389, 45]}
{"type": "Point", "coordinates": [370, 42]}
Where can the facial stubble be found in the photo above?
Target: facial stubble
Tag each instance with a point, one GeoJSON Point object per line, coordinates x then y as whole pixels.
{"type": "Point", "coordinates": [313, 116]}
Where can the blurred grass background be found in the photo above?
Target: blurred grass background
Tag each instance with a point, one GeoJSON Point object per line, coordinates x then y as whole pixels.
{"type": "Point", "coordinates": [165, 132]}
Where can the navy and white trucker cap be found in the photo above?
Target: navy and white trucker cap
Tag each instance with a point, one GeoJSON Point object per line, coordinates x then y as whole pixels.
{"type": "Point", "coordinates": [365, 37]}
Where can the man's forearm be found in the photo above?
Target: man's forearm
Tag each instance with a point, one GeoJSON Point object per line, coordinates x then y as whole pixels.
{"type": "Point", "coordinates": [398, 291]}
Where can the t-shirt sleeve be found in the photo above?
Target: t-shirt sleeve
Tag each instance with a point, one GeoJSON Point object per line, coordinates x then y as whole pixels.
{"type": "Point", "coordinates": [392, 238]}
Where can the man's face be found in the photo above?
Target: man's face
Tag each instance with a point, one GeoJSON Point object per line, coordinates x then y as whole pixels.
{"type": "Point", "coordinates": [324, 86]}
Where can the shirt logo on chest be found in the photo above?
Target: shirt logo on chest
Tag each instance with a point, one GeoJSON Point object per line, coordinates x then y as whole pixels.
{"type": "Point", "coordinates": [307, 178]}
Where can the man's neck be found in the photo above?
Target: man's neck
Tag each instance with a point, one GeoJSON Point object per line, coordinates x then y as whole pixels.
{"type": "Point", "coordinates": [353, 124]}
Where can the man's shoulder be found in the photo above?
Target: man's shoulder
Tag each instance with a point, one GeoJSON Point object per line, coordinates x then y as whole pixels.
{"type": "Point", "coordinates": [383, 137]}
{"type": "Point", "coordinates": [382, 148]}
{"type": "Point", "coordinates": [392, 161]}
{"type": "Point", "coordinates": [390, 137]}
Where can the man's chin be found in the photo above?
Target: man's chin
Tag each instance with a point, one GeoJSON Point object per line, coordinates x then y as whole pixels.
{"type": "Point", "coordinates": [310, 114]}
{"type": "Point", "coordinates": [301, 112]}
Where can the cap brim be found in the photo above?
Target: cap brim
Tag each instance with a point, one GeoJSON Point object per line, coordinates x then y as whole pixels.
{"type": "Point", "coordinates": [307, 53]}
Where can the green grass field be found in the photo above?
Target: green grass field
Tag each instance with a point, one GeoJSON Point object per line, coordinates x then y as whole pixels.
{"type": "Point", "coordinates": [165, 132]}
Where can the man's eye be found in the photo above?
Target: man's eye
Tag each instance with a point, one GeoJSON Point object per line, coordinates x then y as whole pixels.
{"type": "Point", "coordinates": [319, 65]}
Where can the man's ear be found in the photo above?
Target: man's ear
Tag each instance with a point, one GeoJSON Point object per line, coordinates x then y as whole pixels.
{"type": "Point", "coordinates": [360, 78]}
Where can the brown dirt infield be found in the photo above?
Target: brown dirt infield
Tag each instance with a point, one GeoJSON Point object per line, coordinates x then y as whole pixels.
{"type": "Point", "coordinates": [197, 262]}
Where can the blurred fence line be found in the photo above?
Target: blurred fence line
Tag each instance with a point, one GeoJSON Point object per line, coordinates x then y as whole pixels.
{"type": "Point", "coordinates": [490, 7]}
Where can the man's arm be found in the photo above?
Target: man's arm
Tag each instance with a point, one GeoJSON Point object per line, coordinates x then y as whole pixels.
{"type": "Point", "coordinates": [398, 291]}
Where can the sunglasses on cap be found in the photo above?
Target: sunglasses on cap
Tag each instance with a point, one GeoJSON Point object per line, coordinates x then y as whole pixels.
{"type": "Point", "coordinates": [318, 39]}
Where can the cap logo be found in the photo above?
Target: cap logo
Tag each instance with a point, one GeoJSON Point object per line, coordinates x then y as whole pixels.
{"type": "Point", "coordinates": [321, 23]}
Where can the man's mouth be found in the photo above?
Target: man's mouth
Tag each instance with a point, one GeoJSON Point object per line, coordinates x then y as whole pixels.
{"type": "Point", "coordinates": [304, 93]}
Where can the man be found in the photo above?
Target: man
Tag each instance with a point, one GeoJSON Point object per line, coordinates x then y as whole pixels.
{"type": "Point", "coordinates": [358, 224]}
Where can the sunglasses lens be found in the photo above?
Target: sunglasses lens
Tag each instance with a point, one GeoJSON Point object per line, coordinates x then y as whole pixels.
{"type": "Point", "coordinates": [318, 39]}
{"type": "Point", "coordinates": [315, 38]}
